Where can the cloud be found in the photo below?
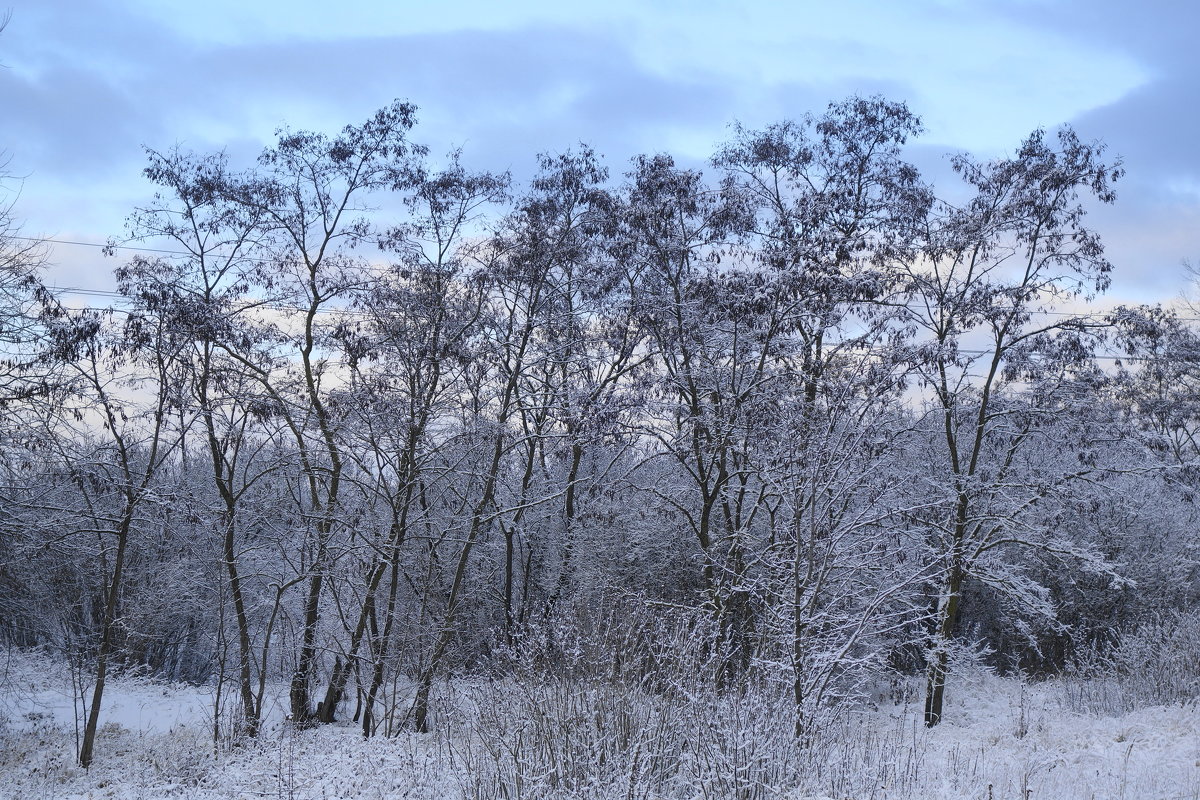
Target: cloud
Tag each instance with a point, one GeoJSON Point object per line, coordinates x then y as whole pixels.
{"type": "Point", "coordinates": [504, 95]}
{"type": "Point", "coordinates": [68, 121]}
{"type": "Point", "coordinates": [1153, 128]}
{"type": "Point", "coordinates": [1155, 223]}
{"type": "Point", "coordinates": [87, 83]}
{"type": "Point", "coordinates": [1152, 125]}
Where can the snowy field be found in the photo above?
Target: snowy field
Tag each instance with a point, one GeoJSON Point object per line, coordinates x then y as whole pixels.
{"type": "Point", "coordinates": [1001, 739]}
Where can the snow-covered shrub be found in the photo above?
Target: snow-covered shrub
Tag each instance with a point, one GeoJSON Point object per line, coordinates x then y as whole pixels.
{"type": "Point", "coordinates": [628, 703]}
{"type": "Point", "coordinates": [1157, 663]}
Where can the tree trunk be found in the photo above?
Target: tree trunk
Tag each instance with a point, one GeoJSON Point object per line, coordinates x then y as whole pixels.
{"type": "Point", "coordinates": [947, 617]}
{"type": "Point", "coordinates": [299, 693]}
{"type": "Point", "coordinates": [421, 701]}
{"type": "Point", "coordinates": [327, 708]}
{"type": "Point", "coordinates": [382, 641]}
{"type": "Point", "coordinates": [564, 572]}
{"type": "Point", "coordinates": [108, 630]}
{"type": "Point", "coordinates": [250, 710]}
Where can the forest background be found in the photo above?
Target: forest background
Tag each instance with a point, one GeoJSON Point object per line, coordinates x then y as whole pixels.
{"type": "Point", "coordinates": [771, 435]}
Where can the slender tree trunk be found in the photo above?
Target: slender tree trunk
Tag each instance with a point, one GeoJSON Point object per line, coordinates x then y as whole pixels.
{"type": "Point", "coordinates": [446, 632]}
{"type": "Point", "coordinates": [299, 690]}
{"type": "Point", "coordinates": [396, 538]}
{"type": "Point", "coordinates": [564, 573]}
{"type": "Point", "coordinates": [336, 689]}
{"type": "Point", "coordinates": [107, 635]}
{"type": "Point", "coordinates": [511, 615]}
{"type": "Point", "coordinates": [947, 618]}
{"type": "Point", "coordinates": [510, 535]}
{"type": "Point", "coordinates": [383, 641]}
{"type": "Point", "coordinates": [250, 710]}
{"type": "Point", "coordinates": [222, 477]}
{"type": "Point", "coordinates": [799, 637]}
{"type": "Point", "coordinates": [799, 634]}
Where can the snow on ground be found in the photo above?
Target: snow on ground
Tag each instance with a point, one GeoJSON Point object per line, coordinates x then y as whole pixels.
{"type": "Point", "coordinates": [37, 690]}
{"type": "Point", "coordinates": [1021, 740]}
{"type": "Point", "coordinates": [1001, 739]}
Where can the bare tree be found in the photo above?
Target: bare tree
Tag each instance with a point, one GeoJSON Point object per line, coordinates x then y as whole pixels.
{"type": "Point", "coordinates": [200, 293]}
{"type": "Point", "coordinates": [422, 315]}
{"type": "Point", "coordinates": [309, 192]}
{"type": "Point", "coordinates": [713, 367]}
{"type": "Point", "coordinates": [108, 362]}
{"type": "Point", "coordinates": [836, 210]}
{"type": "Point", "coordinates": [994, 364]}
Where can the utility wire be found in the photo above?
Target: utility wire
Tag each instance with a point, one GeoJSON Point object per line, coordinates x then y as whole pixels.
{"type": "Point", "coordinates": [163, 251]}
{"type": "Point", "coordinates": [381, 270]}
{"type": "Point", "coordinates": [361, 314]}
{"type": "Point", "coordinates": [109, 295]}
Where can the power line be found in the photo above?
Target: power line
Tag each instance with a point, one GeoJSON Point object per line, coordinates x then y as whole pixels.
{"type": "Point", "coordinates": [361, 314]}
{"type": "Point", "coordinates": [52, 240]}
{"type": "Point", "coordinates": [101, 293]}
{"type": "Point", "coordinates": [383, 270]}
{"type": "Point", "coordinates": [163, 251]}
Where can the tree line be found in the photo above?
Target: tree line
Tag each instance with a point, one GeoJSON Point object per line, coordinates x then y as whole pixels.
{"type": "Point", "coordinates": [364, 419]}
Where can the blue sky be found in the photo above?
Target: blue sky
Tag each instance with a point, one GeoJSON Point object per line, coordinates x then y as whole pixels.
{"type": "Point", "coordinates": [85, 84]}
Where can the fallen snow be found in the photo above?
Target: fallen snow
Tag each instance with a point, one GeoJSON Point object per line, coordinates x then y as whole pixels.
{"type": "Point", "coordinates": [1000, 739]}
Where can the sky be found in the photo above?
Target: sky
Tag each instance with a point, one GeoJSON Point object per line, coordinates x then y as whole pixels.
{"type": "Point", "coordinates": [87, 85]}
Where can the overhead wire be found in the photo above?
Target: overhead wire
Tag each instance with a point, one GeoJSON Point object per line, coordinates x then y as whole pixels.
{"type": "Point", "coordinates": [368, 268]}
{"type": "Point", "coordinates": [106, 294]}
{"type": "Point", "coordinates": [163, 251]}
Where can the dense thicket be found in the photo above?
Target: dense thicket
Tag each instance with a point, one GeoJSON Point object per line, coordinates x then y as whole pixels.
{"type": "Point", "coordinates": [361, 422]}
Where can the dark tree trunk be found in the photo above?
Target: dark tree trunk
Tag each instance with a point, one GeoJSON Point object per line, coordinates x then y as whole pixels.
{"type": "Point", "coordinates": [947, 618]}
{"type": "Point", "coordinates": [107, 637]}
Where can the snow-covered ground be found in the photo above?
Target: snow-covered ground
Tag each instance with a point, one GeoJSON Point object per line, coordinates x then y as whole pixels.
{"type": "Point", "coordinates": [1000, 739]}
